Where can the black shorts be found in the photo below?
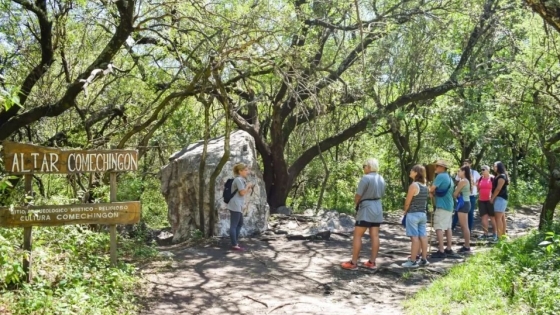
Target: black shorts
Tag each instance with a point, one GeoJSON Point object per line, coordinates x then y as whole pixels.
{"type": "Point", "coordinates": [485, 208]}
{"type": "Point", "coordinates": [367, 224]}
{"type": "Point", "coordinates": [466, 208]}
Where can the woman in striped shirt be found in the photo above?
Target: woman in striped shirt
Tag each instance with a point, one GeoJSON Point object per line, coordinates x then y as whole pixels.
{"type": "Point", "coordinates": [416, 219]}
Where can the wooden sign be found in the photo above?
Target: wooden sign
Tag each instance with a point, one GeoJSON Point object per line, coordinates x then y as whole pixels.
{"type": "Point", "coordinates": [27, 159]}
{"type": "Point", "coordinates": [90, 213]}
{"type": "Point", "coordinates": [22, 158]}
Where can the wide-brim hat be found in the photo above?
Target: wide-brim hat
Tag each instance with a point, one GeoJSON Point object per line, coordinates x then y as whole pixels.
{"type": "Point", "coordinates": [441, 163]}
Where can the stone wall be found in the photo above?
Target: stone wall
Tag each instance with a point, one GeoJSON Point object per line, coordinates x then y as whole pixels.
{"type": "Point", "coordinates": [179, 186]}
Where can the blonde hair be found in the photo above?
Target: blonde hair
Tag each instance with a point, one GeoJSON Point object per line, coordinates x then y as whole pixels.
{"type": "Point", "coordinates": [238, 168]}
{"type": "Point", "coordinates": [373, 165]}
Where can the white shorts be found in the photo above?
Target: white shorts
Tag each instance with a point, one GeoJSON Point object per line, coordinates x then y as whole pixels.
{"type": "Point", "coordinates": [443, 219]}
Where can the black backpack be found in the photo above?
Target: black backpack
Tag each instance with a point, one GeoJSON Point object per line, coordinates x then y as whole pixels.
{"type": "Point", "coordinates": [228, 194]}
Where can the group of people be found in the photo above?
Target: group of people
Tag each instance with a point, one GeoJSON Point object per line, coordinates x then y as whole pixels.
{"type": "Point", "coordinates": [454, 201]}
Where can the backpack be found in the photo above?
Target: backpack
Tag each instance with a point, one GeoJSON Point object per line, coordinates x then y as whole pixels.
{"type": "Point", "coordinates": [460, 202]}
{"type": "Point", "coordinates": [228, 194]}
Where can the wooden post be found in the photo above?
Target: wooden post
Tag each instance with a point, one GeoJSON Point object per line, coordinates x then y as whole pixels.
{"type": "Point", "coordinates": [21, 159]}
{"type": "Point", "coordinates": [113, 227]}
{"type": "Point", "coordinates": [27, 258]}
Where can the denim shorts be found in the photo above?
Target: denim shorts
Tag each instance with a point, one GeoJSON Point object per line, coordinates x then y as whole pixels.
{"type": "Point", "coordinates": [416, 224]}
{"type": "Point", "coordinates": [500, 204]}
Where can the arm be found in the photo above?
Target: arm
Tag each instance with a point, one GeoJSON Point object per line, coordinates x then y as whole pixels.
{"type": "Point", "coordinates": [357, 199]}
{"type": "Point", "coordinates": [501, 183]}
{"type": "Point", "coordinates": [432, 190]}
{"type": "Point", "coordinates": [412, 190]}
{"type": "Point", "coordinates": [477, 178]}
{"type": "Point", "coordinates": [242, 189]}
{"type": "Point", "coordinates": [435, 186]}
{"type": "Point", "coordinates": [462, 183]}
{"type": "Point", "coordinates": [362, 186]}
{"type": "Point", "coordinates": [242, 192]}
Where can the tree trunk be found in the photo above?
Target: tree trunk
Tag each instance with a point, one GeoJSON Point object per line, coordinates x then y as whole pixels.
{"type": "Point", "coordinates": [514, 167]}
{"type": "Point", "coordinates": [217, 171]}
{"type": "Point", "coordinates": [548, 10]}
{"type": "Point", "coordinates": [212, 183]}
{"type": "Point", "coordinates": [550, 203]}
{"type": "Point", "coordinates": [324, 185]}
{"type": "Point", "coordinates": [202, 166]}
{"type": "Point", "coordinates": [278, 186]}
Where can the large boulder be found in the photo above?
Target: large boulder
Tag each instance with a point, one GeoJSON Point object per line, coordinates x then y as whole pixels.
{"type": "Point", "coordinates": [180, 187]}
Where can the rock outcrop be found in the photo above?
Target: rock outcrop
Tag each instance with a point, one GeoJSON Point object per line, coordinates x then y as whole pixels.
{"type": "Point", "coordinates": [179, 186]}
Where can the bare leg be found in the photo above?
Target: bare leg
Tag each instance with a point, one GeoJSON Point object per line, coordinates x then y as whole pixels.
{"type": "Point", "coordinates": [374, 234]}
{"type": "Point", "coordinates": [424, 245]}
{"type": "Point", "coordinates": [484, 219]}
{"type": "Point", "coordinates": [500, 224]}
{"type": "Point", "coordinates": [357, 243]}
{"type": "Point", "coordinates": [463, 219]}
{"type": "Point", "coordinates": [439, 234]}
{"type": "Point", "coordinates": [494, 226]}
{"type": "Point", "coordinates": [414, 247]}
{"type": "Point", "coordinates": [449, 236]}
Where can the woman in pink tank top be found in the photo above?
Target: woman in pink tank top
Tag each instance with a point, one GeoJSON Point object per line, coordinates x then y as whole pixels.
{"type": "Point", "coordinates": [485, 207]}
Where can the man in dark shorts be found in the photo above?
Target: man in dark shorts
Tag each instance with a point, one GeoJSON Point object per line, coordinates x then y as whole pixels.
{"type": "Point", "coordinates": [370, 214]}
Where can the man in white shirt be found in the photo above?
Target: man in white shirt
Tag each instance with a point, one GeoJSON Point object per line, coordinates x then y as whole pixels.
{"type": "Point", "coordinates": [475, 177]}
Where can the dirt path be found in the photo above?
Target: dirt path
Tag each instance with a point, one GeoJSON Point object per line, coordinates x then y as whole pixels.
{"type": "Point", "coordinates": [296, 277]}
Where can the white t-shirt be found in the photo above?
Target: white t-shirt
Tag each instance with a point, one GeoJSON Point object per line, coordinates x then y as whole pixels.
{"type": "Point", "coordinates": [475, 177]}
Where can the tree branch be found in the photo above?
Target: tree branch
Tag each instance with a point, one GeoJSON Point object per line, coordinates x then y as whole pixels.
{"type": "Point", "coordinates": [122, 32]}
{"type": "Point", "coordinates": [47, 56]}
{"type": "Point", "coordinates": [548, 10]}
{"type": "Point", "coordinates": [552, 140]}
{"type": "Point", "coordinates": [361, 125]}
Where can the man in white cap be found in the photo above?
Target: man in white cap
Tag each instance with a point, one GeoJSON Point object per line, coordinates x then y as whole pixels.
{"type": "Point", "coordinates": [442, 189]}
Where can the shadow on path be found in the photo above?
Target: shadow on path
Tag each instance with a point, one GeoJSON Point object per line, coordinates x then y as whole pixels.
{"type": "Point", "coordinates": [295, 277]}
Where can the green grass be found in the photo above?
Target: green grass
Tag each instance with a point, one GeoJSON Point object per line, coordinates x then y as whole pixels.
{"type": "Point", "coordinates": [516, 277]}
{"type": "Point", "coordinates": [71, 271]}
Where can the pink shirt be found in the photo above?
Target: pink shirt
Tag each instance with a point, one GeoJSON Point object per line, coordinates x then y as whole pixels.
{"type": "Point", "coordinates": [485, 188]}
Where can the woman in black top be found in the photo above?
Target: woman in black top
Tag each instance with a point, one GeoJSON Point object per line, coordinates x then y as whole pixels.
{"type": "Point", "coordinates": [500, 196]}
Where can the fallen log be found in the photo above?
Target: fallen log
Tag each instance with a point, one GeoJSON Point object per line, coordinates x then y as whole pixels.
{"type": "Point", "coordinates": [299, 218]}
{"type": "Point", "coordinates": [325, 235]}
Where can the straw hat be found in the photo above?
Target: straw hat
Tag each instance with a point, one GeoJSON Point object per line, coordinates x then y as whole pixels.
{"type": "Point", "coordinates": [441, 163]}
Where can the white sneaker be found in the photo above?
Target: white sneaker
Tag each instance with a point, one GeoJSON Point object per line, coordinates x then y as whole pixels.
{"type": "Point", "coordinates": [410, 264]}
{"type": "Point", "coordinates": [423, 263]}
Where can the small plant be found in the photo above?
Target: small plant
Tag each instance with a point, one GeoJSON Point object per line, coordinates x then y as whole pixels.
{"type": "Point", "coordinates": [407, 275]}
{"type": "Point", "coordinates": [197, 234]}
{"type": "Point", "coordinates": [551, 243]}
{"type": "Point", "coordinates": [72, 273]}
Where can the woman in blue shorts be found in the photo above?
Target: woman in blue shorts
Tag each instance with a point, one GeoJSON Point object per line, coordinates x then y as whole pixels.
{"type": "Point", "coordinates": [416, 219]}
{"type": "Point", "coordinates": [500, 196]}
